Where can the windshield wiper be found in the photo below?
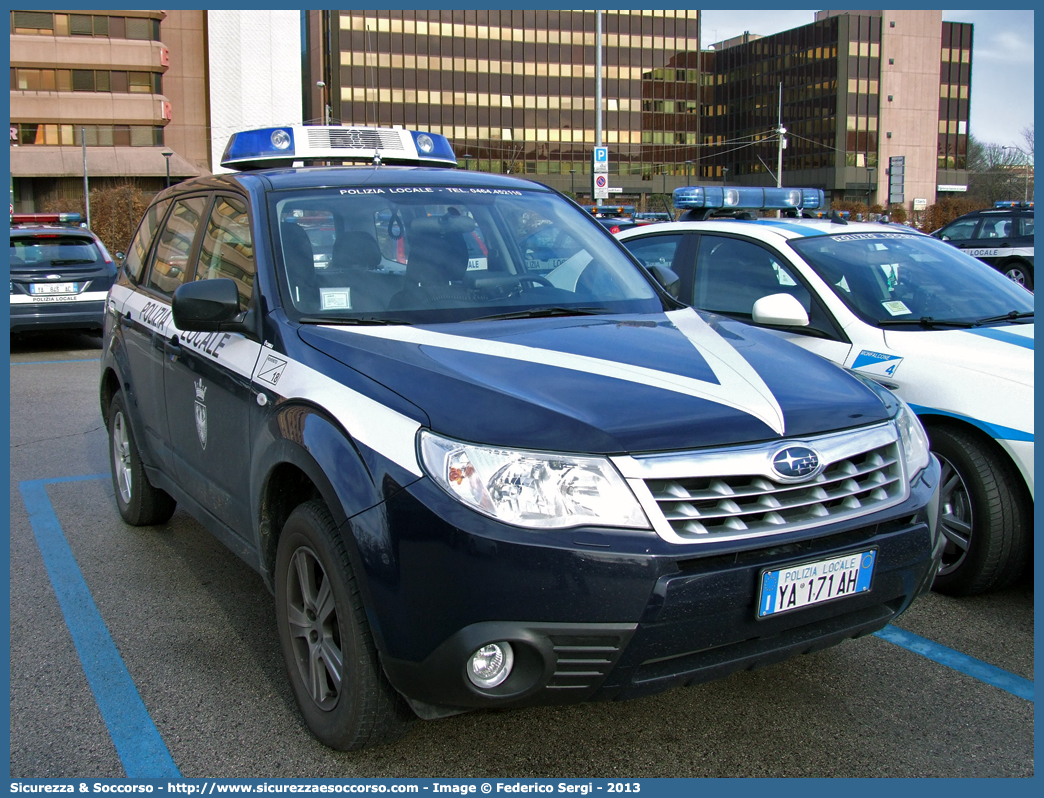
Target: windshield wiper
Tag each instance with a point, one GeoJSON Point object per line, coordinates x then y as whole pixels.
{"type": "Point", "coordinates": [926, 321]}
{"type": "Point", "coordinates": [1010, 316]}
{"type": "Point", "coordinates": [350, 321]}
{"type": "Point", "coordinates": [538, 313]}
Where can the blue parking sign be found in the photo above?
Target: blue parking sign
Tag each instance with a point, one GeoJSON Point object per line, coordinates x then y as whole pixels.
{"type": "Point", "coordinates": [601, 154]}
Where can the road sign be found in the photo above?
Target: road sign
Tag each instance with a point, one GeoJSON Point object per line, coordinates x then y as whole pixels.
{"type": "Point", "coordinates": [896, 180]}
{"type": "Point", "coordinates": [615, 190]}
{"type": "Point", "coordinates": [601, 186]}
{"type": "Point", "coordinates": [600, 159]}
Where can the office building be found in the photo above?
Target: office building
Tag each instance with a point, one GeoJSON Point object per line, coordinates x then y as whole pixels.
{"type": "Point", "coordinates": [134, 85]}
{"type": "Point", "coordinates": [857, 88]}
{"type": "Point", "coordinates": [515, 90]}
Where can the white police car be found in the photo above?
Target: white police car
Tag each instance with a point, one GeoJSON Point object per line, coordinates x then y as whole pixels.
{"type": "Point", "coordinates": [481, 458]}
{"type": "Point", "coordinates": [948, 334]}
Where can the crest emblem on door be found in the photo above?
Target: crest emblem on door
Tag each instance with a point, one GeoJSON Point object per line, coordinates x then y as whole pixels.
{"type": "Point", "coordinates": [201, 413]}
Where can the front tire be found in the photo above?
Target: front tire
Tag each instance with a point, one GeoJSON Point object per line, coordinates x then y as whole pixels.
{"type": "Point", "coordinates": [138, 501]}
{"type": "Point", "coordinates": [982, 516]}
{"type": "Point", "coordinates": [328, 648]}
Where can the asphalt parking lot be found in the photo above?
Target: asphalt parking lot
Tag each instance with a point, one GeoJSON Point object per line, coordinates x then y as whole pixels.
{"type": "Point", "coordinates": [194, 629]}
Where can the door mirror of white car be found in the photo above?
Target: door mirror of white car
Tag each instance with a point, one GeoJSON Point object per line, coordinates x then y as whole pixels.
{"type": "Point", "coordinates": [779, 310]}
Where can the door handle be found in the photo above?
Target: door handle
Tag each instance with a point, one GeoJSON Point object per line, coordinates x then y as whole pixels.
{"type": "Point", "coordinates": [172, 348]}
{"type": "Point", "coordinates": [126, 320]}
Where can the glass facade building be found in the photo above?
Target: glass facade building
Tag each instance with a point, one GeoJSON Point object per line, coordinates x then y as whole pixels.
{"type": "Point", "coordinates": [515, 90]}
{"type": "Point", "coordinates": [832, 84]}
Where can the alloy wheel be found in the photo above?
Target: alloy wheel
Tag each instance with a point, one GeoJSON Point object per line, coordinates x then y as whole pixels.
{"type": "Point", "coordinates": [311, 611]}
{"type": "Point", "coordinates": [121, 457]}
{"type": "Point", "coordinates": [956, 520]}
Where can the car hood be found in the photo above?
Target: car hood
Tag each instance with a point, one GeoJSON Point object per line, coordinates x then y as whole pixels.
{"type": "Point", "coordinates": [1005, 352]}
{"type": "Point", "coordinates": [606, 384]}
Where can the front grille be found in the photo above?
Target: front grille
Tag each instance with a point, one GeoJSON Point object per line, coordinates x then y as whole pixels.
{"type": "Point", "coordinates": [730, 494]}
{"type": "Point", "coordinates": [350, 138]}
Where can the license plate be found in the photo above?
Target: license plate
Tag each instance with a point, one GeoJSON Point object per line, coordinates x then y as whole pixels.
{"type": "Point", "coordinates": [809, 583]}
{"type": "Point", "coordinates": [53, 288]}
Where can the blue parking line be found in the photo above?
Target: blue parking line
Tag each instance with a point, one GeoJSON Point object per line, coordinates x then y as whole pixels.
{"type": "Point", "coordinates": [49, 362]}
{"type": "Point", "coordinates": [138, 743]}
{"type": "Point", "coordinates": [977, 669]}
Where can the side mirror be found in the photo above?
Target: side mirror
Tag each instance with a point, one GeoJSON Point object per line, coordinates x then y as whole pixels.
{"type": "Point", "coordinates": [670, 282]}
{"type": "Point", "coordinates": [779, 310]}
{"type": "Point", "coordinates": [209, 306]}
{"type": "Point", "coordinates": [120, 257]}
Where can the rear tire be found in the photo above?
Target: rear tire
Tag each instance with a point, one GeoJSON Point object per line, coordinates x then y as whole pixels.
{"type": "Point", "coordinates": [982, 515]}
{"type": "Point", "coordinates": [1020, 272]}
{"type": "Point", "coordinates": [139, 502]}
{"type": "Point", "coordinates": [328, 648]}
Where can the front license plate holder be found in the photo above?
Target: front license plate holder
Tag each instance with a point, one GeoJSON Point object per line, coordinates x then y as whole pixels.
{"type": "Point", "coordinates": [815, 582]}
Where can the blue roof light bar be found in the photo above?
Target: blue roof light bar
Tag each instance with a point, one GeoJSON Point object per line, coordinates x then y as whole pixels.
{"type": "Point", "coordinates": [710, 198]}
{"type": "Point", "coordinates": [286, 145]}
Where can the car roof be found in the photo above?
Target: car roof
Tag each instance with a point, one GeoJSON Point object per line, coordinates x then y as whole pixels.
{"type": "Point", "coordinates": [29, 230]}
{"type": "Point", "coordinates": [997, 212]}
{"type": "Point", "coordinates": [283, 178]}
{"type": "Point", "coordinates": [767, 229]}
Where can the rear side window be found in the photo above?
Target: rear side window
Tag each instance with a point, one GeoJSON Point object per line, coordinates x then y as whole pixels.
{"type": "Point", "coordinates": [137, 254]}
{"type": "Point", "coordinates": [171, 265]}
{"type": "Point", "coordinates": [996, 227]}
{"type": "Point", "coordinates": [227, 249]}
{"type": "Point", "coordinates": [1026, 226]}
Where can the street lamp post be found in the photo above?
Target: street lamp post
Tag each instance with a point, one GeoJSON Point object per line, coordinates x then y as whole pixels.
{"type": "Point", "coordinates": [572, 182]}
{"type": "Point", "coordinates": [687, 165]}
{"type": "Point", "coordinates": [724, 174]}
{"type": "Point", "coordinates": [166, 154]}
{"type": "Point", "coordinates": [869, 187]}
{"type": "Point", "coordinates": [467, 162]}
{"type": "Point", "coordinates": [322, 97]}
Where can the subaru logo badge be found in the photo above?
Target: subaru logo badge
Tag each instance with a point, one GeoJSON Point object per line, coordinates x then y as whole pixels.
{"type": "Point", "coordinates": [795, 463]}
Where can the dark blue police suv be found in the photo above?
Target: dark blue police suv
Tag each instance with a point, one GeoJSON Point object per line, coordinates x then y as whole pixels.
{"type": "Point", "coordinates": [480, 456]}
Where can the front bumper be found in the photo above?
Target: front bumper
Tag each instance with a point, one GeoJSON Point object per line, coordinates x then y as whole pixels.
{"type": "Point", "coordinates": [598, 615]}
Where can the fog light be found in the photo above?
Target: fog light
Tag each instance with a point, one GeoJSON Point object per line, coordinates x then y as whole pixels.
{"type": "Point", "coordinates": [491, 665]}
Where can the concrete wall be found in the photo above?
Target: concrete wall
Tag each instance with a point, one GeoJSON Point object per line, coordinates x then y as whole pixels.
{"type": "Point", "coordinates": [912, 115]}
{"type": "Point", "coordinates": [185, 85]}
{"type": "Point", "coordinates": [254, 66]}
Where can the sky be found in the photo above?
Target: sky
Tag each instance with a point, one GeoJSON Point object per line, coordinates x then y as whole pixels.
{"type": "Point", "coordinates": [1002, 47]}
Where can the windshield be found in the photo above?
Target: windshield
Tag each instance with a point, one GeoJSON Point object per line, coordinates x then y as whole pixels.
{"type": "Point", "coordinates": [426, 254]}
{"type": "Point", "coordinates": [890, 278]}
{"type": "Point", "coordinates": [52, 250]}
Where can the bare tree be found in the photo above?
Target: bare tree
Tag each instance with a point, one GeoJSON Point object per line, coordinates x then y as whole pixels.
{"type": "Point", "coordinates": [995, 172]}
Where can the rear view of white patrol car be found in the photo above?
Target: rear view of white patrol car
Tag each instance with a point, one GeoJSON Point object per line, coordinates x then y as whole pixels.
{"type": "Point", "coordinates": [481, 458]}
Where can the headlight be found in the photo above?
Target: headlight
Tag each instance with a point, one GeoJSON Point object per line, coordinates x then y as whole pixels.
{"type": "Point", "coordinates": [532, 489]}
{"type": "Point", "coordinates": [915, 441]}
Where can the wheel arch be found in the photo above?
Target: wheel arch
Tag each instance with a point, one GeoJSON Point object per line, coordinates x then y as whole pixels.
{"type": "Point", "coordinates": [107, 389]}
{"type": "Point", "coordinates": [987, 441]}
{"type": "Point", "coordinates": [305, 455]}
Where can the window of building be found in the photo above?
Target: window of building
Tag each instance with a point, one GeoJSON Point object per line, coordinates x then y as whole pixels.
{"type": "Point", "coordinates": [36, 134]}
{"type": "Point", "coordinates": [45, 23]}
